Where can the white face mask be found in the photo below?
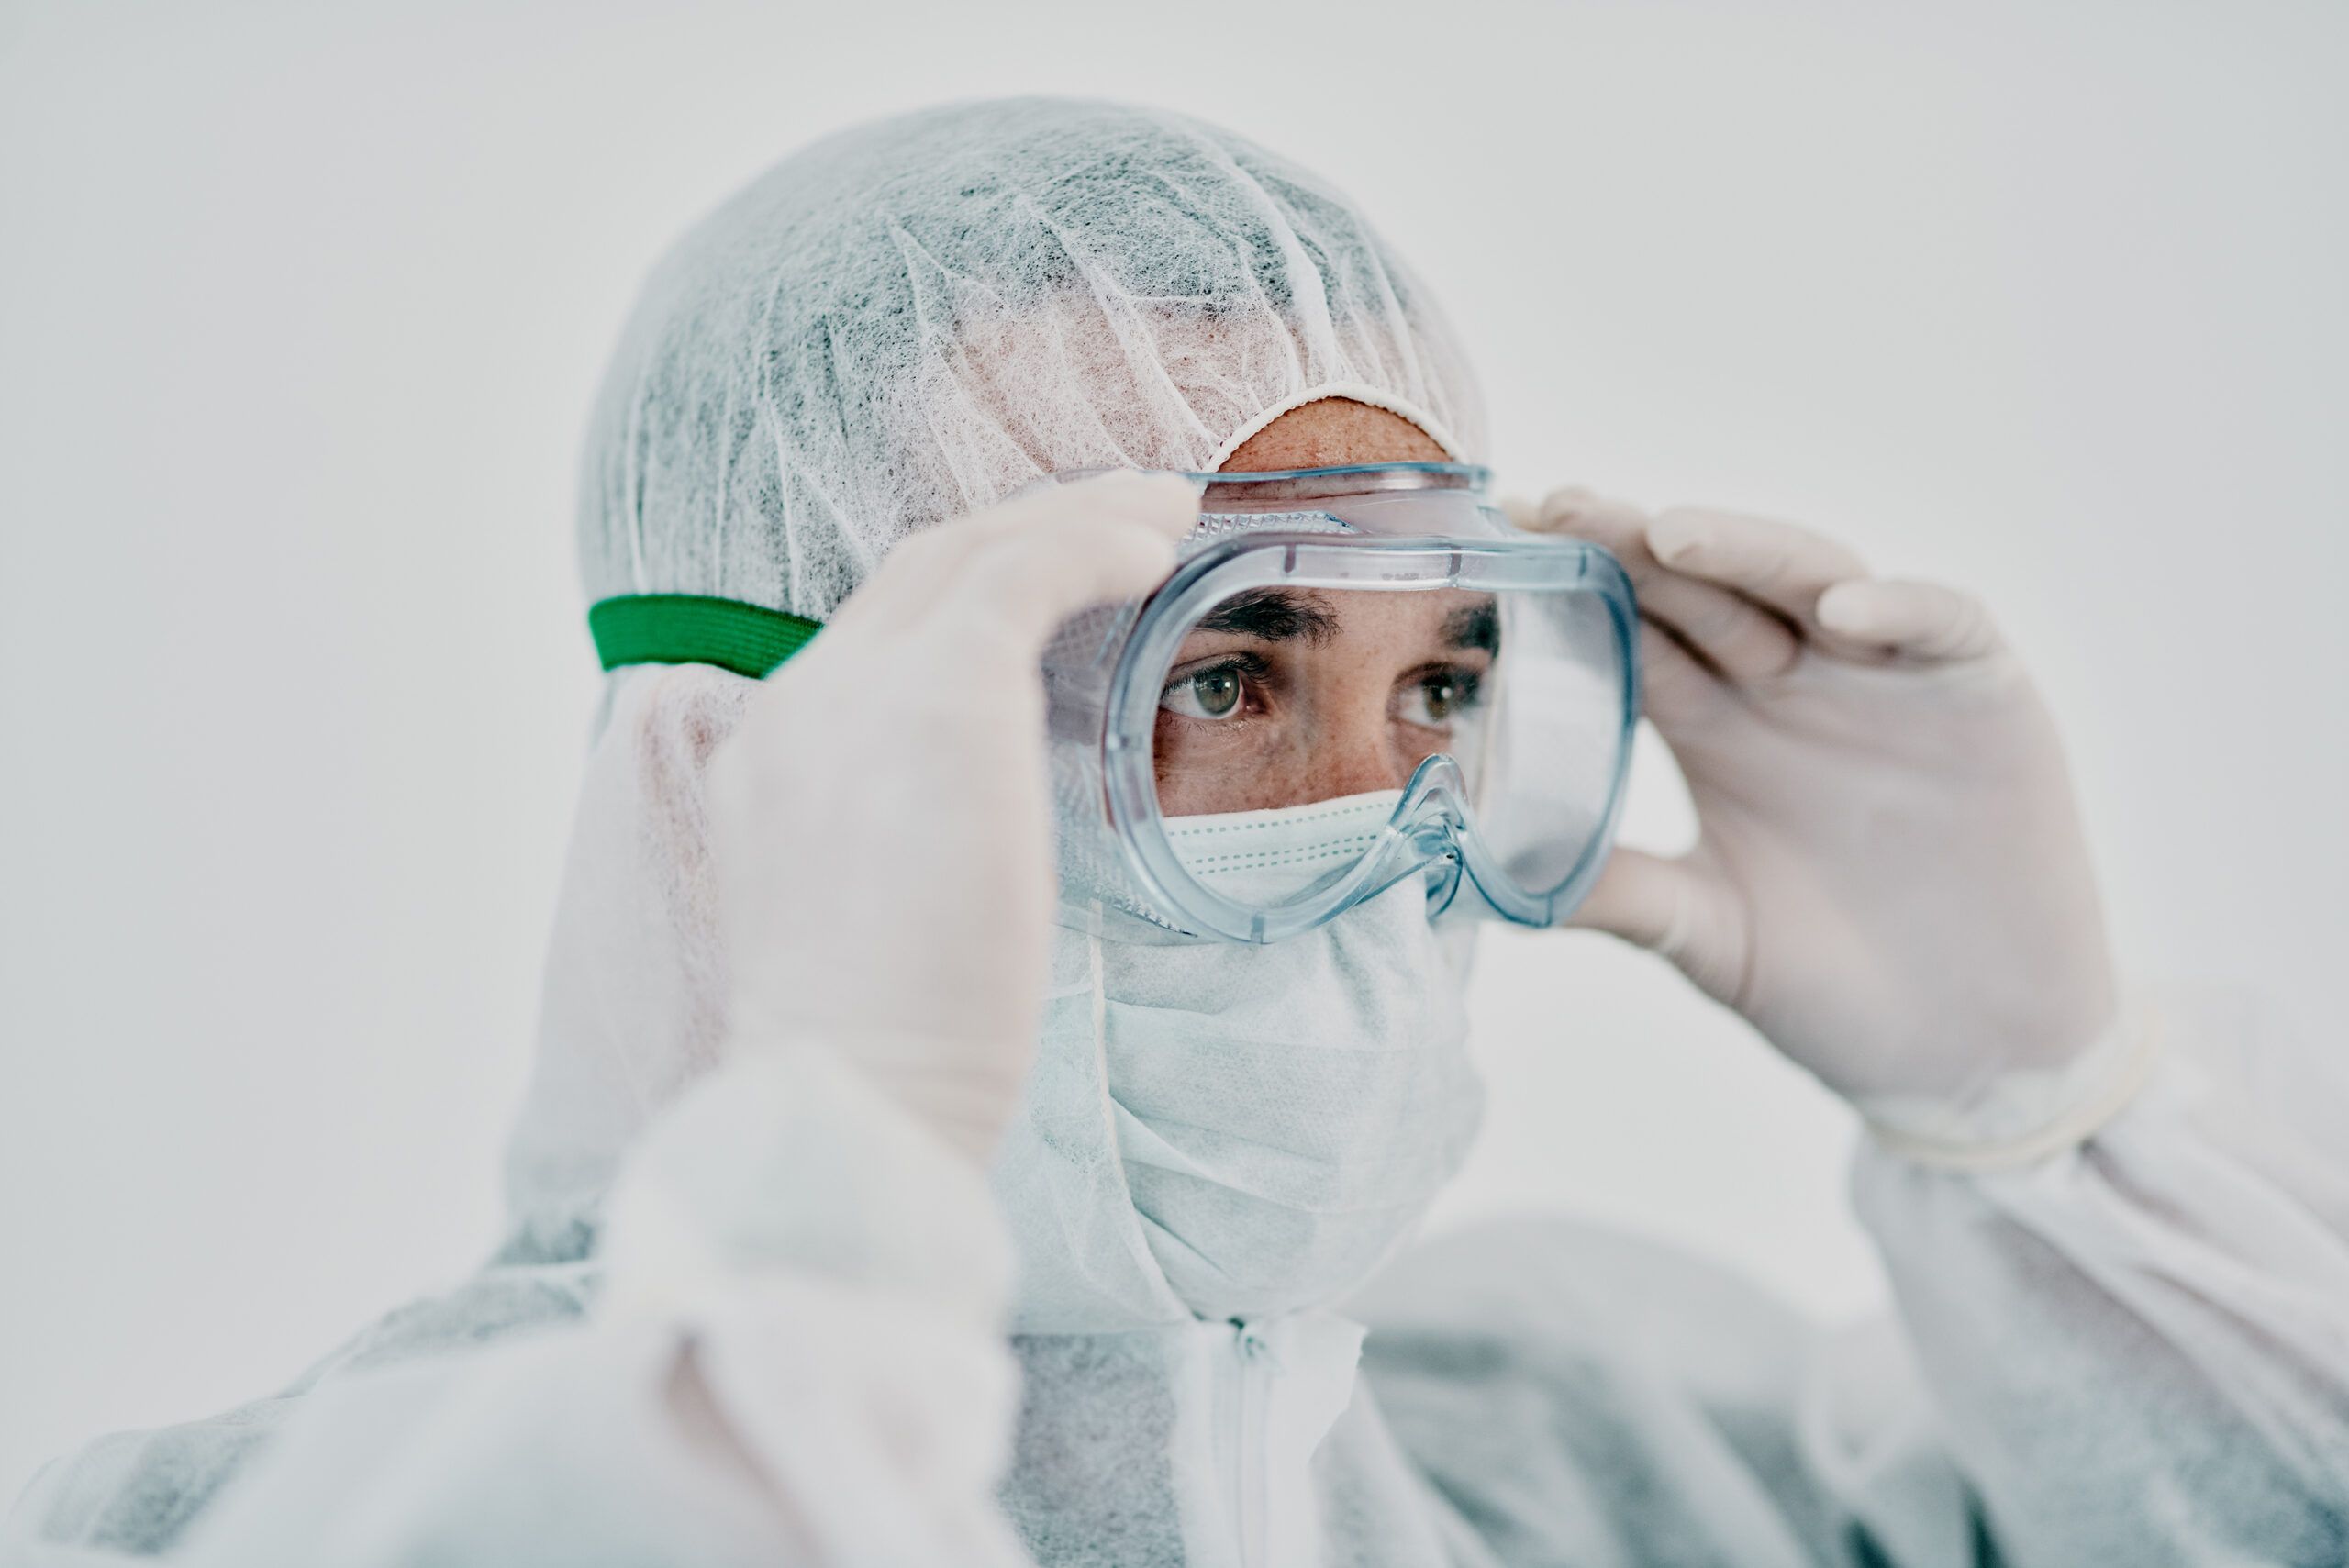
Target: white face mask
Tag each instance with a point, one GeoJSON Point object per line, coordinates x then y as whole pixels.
{"type": "Point", "coordinates": [1222, 1130]}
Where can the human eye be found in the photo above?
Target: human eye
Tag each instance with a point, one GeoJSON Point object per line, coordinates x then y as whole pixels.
{"type": "Point", "coordinates": [1212, 691]}
{"type": "Point", "coordinates": [1439, 698]}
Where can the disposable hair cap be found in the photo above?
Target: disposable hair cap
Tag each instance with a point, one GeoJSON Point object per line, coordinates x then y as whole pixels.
{"type": "Point", "coordinates": [918, 318]}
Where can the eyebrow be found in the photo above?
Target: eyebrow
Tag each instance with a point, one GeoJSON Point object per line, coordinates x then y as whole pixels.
{"type": "Point", "coordinates": [1474, 626]}
{"type": "Point", "coordinates": [1274, 615]}
{"type": "Point", "coordinates": [1286, 615]}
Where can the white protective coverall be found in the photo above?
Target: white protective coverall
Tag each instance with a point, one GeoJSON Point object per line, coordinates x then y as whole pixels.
{"type": "Point", "coordinates": [751, 1312]}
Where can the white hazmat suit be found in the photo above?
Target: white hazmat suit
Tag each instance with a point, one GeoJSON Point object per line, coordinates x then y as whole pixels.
{"type": "Point", "coordinates": [753, 1311]}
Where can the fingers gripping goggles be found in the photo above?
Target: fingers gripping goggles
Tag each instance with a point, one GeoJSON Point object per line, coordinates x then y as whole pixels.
{"type": "Point", "coordinates": [1353, 676]}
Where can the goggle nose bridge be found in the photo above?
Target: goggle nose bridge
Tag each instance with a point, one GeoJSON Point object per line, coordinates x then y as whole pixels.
{"type": "Point", "coordinates": [1434, 834]}
{"type": "Point", "coordinates": [1434, 808]}
{"type": "Point", "coordinates": [1430, 819]}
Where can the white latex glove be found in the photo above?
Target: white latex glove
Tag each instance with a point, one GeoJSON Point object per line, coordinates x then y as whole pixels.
{"type": "Point", "coordinates": [881, 818]}
{"type": "Point", "coordinates": [1889, 880]}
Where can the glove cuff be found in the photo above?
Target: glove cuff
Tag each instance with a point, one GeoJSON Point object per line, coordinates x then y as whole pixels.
{"type": "Point", "coordinates": [2024, 1117]}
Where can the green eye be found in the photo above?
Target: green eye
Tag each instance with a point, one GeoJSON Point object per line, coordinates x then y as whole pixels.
{"type": "Point", "coordinates": [1210, 694]}
{"type": "Point", "coordinates": [1216, 691]}
{"type": "Point", "coordinates": [1229, 688]}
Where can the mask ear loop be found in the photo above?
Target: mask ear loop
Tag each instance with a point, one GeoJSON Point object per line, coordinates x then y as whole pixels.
{"type": "Point", "coordinates": [1095, 992]}
{"type": "Point", "coordinates": [1096, 1001]}
{"type": "Point", "coordinates": [1099, 999]}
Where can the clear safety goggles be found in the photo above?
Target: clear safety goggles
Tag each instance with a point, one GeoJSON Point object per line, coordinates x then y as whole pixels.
{"type": "Point", "coordinates": [1353, 676]}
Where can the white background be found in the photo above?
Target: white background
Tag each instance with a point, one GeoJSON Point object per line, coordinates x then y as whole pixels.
{"type": "Point", "coordinates": [300, 309]}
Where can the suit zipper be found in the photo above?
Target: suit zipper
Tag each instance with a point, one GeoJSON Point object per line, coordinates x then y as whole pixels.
{"type": "Point", "coordinates": [1249, 1501]}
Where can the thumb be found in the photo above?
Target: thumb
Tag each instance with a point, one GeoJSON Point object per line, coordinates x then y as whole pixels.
{"type": "Point", "coordinates": [1676, 907]}
{"type": "Point", "coordinates": [1040, 560]}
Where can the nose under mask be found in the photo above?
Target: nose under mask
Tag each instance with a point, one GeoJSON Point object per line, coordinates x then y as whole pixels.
{"type": "Point", "coordinates": [1271, 856]}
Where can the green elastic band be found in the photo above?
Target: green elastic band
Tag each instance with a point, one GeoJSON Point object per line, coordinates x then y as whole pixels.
{"type": "Point", "coordinates": [687, 628]}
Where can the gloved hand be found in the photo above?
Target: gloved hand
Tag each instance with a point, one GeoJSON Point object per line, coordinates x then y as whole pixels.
{"type": "Point", "coordinates": [881, 818]}
{"type": "Point", "coordinates": [1889, 880]}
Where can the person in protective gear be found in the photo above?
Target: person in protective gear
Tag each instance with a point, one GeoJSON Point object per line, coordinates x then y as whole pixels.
{"type": "Point", "coordinates": [992, 1067]}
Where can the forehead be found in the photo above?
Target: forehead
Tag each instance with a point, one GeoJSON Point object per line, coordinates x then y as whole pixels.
{"type": "Point", "coordinates": [1333, 432]}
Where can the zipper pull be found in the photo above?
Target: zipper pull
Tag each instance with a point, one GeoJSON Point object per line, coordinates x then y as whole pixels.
{"type": "Point", "coordinates": [1253, 1347]}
